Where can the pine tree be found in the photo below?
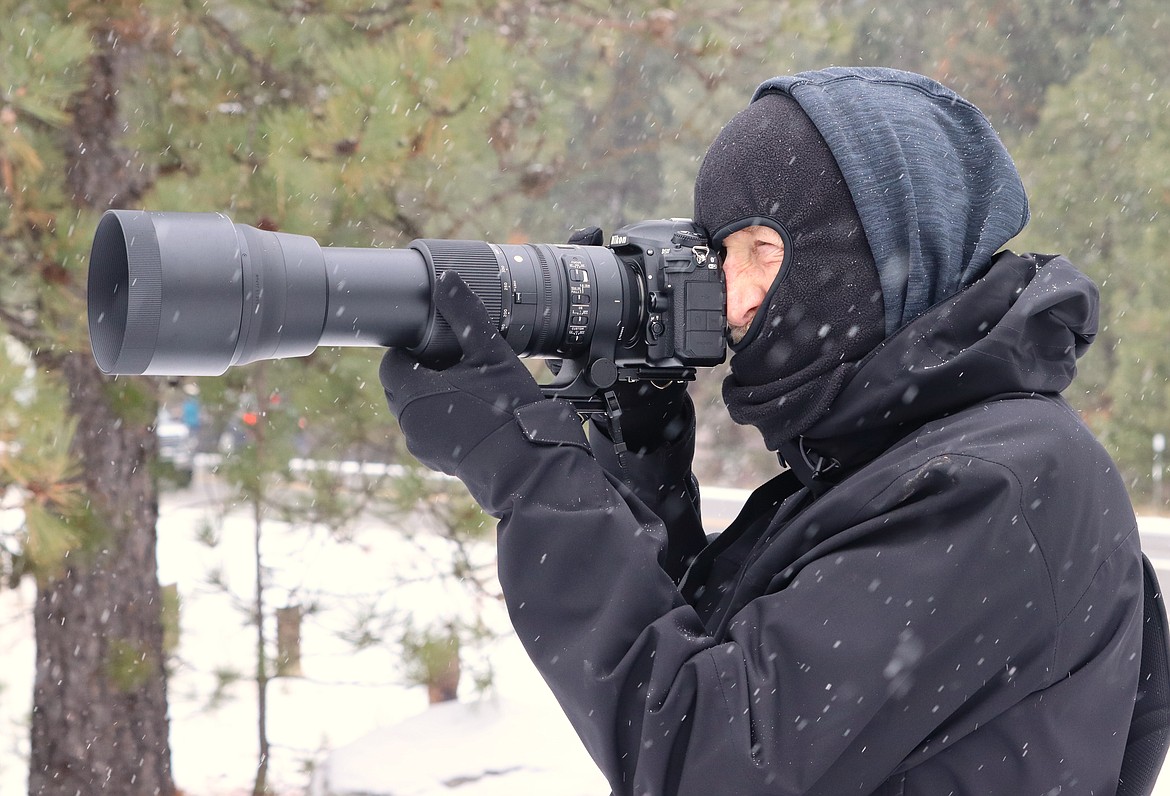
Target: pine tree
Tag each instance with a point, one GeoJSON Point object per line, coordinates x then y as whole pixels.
{"type": "Point", "coordinates": [369, 124]}
{"type": "Point", "coordinates": [1098, 169]}
{"type": "Point", "coordinates": [99, 707]}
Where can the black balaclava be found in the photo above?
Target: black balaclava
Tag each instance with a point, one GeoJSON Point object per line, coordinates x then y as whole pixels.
{"type": "Point", "coordinates": [769, 166]}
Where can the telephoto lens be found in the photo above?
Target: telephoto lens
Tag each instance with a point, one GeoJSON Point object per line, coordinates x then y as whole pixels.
{"type": "Point", "coordinates": [192, 294]}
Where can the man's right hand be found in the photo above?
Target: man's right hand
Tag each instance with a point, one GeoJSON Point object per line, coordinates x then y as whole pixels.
{"type": "Point", "coordinates": [652, 414]}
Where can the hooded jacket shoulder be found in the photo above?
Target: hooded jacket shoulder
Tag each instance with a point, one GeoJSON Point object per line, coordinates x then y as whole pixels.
{"type": "Point", "coordinates": [1019, 329]}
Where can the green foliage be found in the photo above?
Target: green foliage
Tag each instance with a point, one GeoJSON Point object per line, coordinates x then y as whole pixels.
{"type": "Point", "coordinates": [42, 71]}
{"type": "Point", "coordinates": [38, 263]}
{"type": "Point", "coordinates": [38, 473]}
{"type": "Point", "coordinates": [434, 657]}
{"type": "Point", "coordinates": [128, 664]}
{"type": "Point", "coordinates": [444, 504]}
{"type": "Point", "coordinates": [1003, 55]}
{"type": "Point", "coordinates": [430, 655]}
{"type": "Point", "coordinates": [172, 605]}
{"type": "Point", "coordinates": [226, 678]}
{"type": "Point", "coordinates": [371, 625]}
{"type": "Point", "coordinates": [1098, 168]}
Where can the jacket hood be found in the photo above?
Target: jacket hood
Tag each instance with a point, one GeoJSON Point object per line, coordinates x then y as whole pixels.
{"type": "Point", "coordinates": [937, 192]}
{"type": "Point", "coordinates": [1017, 330]}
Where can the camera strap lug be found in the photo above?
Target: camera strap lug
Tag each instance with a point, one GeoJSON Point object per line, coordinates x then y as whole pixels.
{"type": "Point", "coordinates": [613, 415]}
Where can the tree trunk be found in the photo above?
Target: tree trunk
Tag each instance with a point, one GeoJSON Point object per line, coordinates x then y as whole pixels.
{"type": "Point", "coordinates": [99, 721]}
{"type": "Point", "coordinates": [260, 788]}
{"type": "Point", "coordinates": [99, 718]}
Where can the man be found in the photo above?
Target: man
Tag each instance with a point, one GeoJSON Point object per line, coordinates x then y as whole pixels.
{"type": "Point", "coordinates": [943, 594]}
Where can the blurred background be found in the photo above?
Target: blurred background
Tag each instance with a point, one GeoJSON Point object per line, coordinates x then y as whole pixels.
{"type": "Point", "coordinates": [369, 124]}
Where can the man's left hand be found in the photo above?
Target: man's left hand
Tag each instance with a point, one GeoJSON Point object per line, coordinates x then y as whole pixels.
{"type": "Point", "coordinates": [445, 413]}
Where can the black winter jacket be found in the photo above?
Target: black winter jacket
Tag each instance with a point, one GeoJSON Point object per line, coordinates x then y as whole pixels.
{"type": "Point", "coordinates": [954, 607]}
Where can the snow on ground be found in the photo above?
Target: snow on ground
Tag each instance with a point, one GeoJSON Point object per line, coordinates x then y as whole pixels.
{"type": "Point", "coordinates": [346, 692]}
{"type": "Point", "coordinates": [350, 726]}
{"type": "Point", "coordinates": [491, 747]}
{"type": "Point", "coordinates": [1155, 526]}
{"type": "Point", "coordinates": [16, 678]}
{"type": "Point", "coordinates": [512, 738]}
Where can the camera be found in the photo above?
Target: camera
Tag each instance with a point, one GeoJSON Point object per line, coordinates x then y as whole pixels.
{"type": "Point", "coordinates": [191, 294]}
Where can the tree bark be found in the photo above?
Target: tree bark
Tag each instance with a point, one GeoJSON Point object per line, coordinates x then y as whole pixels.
{"type": "Point", "coordinates": [99, 718]}
{"type": "Point", "coordinates": [99, 722]}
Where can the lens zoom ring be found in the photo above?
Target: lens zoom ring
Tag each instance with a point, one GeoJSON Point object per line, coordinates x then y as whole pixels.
{"type": "Point", "coordinates": [476, 263]}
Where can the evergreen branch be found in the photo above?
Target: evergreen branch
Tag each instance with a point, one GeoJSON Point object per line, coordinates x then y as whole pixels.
{"type": "Point", "coordinates": [225, 35]}
{"type": "Point", "coordinates": [25, 332]}
{"type": "Point", "coordinates": [399, 221]}
{"type": "Point", "coordinates": [398, 11]}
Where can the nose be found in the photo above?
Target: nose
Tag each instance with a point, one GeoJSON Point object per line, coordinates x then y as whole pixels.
{"type": "Point", "coordinates": [744, 297]}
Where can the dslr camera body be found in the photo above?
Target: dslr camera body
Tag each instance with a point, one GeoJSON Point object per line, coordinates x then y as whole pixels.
{"type": "Point", "coordinates": [672, 306]}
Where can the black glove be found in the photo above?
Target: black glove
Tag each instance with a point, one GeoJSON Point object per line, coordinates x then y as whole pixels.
{"type": "Point", "coordinates": [589, 236]}
{"type": "Point", "coordinates": [446, 413]}
{"type": "Point", "coordinates": [485, 420]}
{"type": "Point", "coordinates": [652, 415]}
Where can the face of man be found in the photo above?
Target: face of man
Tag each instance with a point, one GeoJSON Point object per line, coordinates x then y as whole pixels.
{"type": "Point", "coordinates": [751, 262]}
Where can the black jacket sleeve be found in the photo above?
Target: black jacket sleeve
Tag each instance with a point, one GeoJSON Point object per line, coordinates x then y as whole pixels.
{"type": "Point", "coordinates": [664, 483]}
